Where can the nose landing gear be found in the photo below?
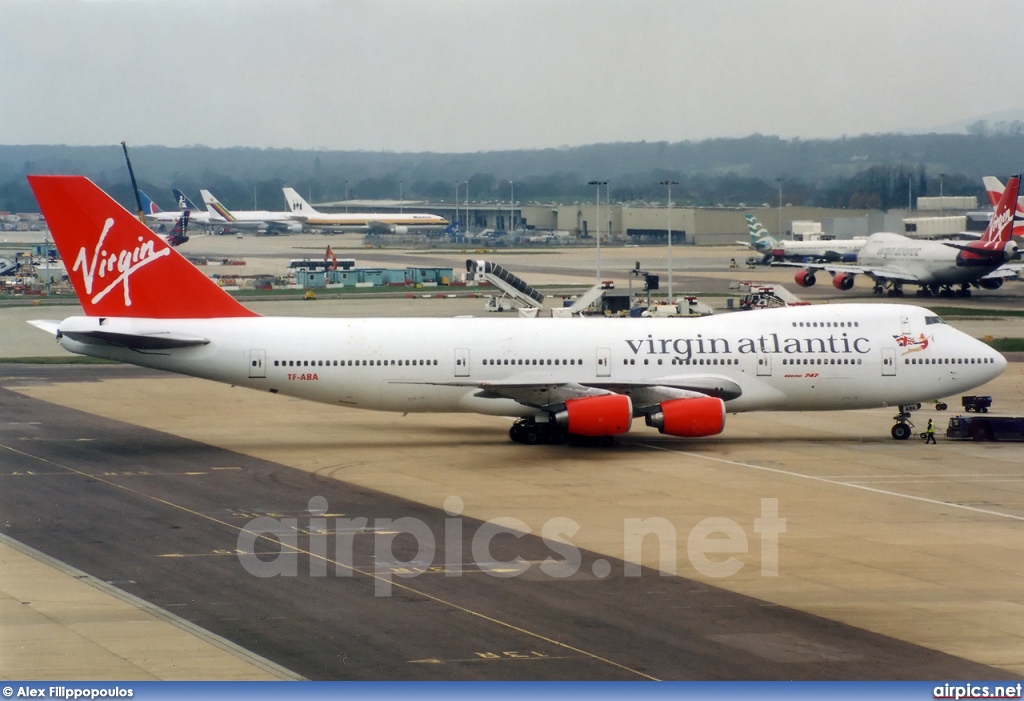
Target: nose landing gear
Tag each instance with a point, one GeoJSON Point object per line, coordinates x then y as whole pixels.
{"type": "Point", "coordinates": [903, 427]}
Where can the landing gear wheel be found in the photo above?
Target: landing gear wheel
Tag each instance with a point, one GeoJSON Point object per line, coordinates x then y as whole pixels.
{"type": "Point", "coordinates": [530, 432]}
{"type": "Point", "coordinates": [901, 432]}
{"type": "Point", "coordinates": [941, 406]}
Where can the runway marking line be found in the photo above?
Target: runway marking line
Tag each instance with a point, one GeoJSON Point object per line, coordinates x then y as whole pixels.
{"type": "Point", "coordinates": [354, 570]}
{"type": "Point", "coordinates": [826, 480]}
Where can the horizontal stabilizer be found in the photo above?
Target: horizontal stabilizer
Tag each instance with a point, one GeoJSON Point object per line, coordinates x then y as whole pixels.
{"type": "Point", "coordinates": [137, 341]}
{"type": "Point", "coordinates": [47, 325]}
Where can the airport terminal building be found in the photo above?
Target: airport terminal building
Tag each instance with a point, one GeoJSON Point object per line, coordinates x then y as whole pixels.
{"type": "Point", "coordinates": [643, 223]}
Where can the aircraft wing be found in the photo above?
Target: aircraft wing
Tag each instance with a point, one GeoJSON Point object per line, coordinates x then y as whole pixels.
{"type": "Point", "coordinates": [1005, 271]}
{"type": "Point", "coordinates": [881, 272]}
{"type": "Point", "coordinates": [647, 393]}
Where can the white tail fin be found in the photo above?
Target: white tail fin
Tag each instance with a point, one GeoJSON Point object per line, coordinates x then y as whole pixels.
{"type": "Point", "coordinates": [215, 207]}
{"type": "Point", "coordinates": [297, 205]}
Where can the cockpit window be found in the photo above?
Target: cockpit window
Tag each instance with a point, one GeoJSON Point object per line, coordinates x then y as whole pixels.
{"type": "Point", "coordinates": [933, 320]}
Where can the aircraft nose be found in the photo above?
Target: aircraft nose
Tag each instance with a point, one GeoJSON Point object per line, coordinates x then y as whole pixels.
{"type": "Point", "coordinates": [1000, 362]}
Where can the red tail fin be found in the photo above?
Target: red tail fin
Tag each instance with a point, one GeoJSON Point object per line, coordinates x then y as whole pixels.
{"type": "Point", "coordinates": [118, 266]}
{"type": "Point", "coordinates": [1001, 227]}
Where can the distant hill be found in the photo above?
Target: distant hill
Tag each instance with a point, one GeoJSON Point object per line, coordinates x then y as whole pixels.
{"type": "Point", "coordinates": [714, 171]}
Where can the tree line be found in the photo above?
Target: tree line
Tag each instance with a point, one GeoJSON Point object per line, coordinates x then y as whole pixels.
{"type": "Point", "coordinates": [865, 172]}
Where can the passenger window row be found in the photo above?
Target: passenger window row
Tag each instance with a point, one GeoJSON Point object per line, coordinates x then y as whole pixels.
{"type": "Point", "coordinates": [947, 361]}
{"type": "Point", "coordinates": [348, 363]}
{"type": "Point", "coordinates": [826, 324]}
{"type": "Point", "coordinates": [822, 361]}
{"type": "Point", "coordinates": [532, 361]}
{"type": "Point", "coordinates": [690, 361]}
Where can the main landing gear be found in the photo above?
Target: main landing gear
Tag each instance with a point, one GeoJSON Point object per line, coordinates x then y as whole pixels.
{"type": "Point", "coordinates": [903, 428]}
{"type": "Point", "coordinates": [893, 289]}
{"type": "Point", "coordinates": [533, 432]}
{"type": "Point", "coordinates": [944, 291]}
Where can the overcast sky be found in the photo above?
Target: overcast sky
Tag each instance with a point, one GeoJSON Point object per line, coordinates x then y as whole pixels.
{"type": "Point", "coordinates": [471, 75]}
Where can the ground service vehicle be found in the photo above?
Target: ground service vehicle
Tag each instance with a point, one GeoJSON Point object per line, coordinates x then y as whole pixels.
{"type": "Point", "coordinates": [978, 404]}
{"type": "Point", "coordinates": [986, 428]}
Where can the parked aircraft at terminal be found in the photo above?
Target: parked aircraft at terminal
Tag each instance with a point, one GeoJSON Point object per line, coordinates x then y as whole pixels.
{"type": "Point", "coordinates": [559, 377]}
{"type": "Point", "coordinates": [158, 216]}
{"type": "Point", "coordinates": [360, 221]}
{"type": "Point", "coordinates": [248, 220]}
{"type": "Point", "coordinates": [934, 266]}
{"type": "Point", "coordinates": [834, 250]}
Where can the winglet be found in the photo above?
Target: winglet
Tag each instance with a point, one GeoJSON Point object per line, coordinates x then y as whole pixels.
{"type": "Point", "coordinates": [118, 267]}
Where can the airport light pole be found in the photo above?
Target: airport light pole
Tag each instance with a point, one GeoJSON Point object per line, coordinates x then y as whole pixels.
{"type": "Point", "coordinates": [669, 184]}
{"type": "Point", "coordinates": [346, 195]}
{"type": "Point", "coordinates": [942, 199]}
{"type": "Point", "coordinates": [401, 197]}
{"type": "Point", "coordinates": [511, 207]}
{"type": "Point", "coordinates": [598, 184]}
{"type": "Point", "coordinates": [607, 206]}
{"type": "Point", "coordinates": [779, 181]}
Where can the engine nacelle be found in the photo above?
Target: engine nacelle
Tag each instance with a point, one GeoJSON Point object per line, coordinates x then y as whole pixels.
{"type": "Point", "coordinates": [691, 417]}
{"type": "Point", "coordinates": [1011, 251]}
{"type": "Point", "coordinates": [603, 415]}
{"type": "Point", "coordinates": [805, 278]}
{"type": "Point", "coordinates": [400, 230]}
{"type": "Point", "coordinates": [991, 283]}
{"type": "Point", "coordinates": [843, 281]}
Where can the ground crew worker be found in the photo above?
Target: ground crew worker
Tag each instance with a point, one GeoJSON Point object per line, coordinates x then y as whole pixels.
{"type": "Point", "coordinates": [930, 432]}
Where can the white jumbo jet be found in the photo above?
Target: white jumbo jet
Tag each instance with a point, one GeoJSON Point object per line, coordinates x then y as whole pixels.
{"type": "Point", "coordinates": [248, 220]}
{"type": "Point", "coordinates": [558, 377]}
{"type": "Point", "coordinates": [934, 266]}
{"type": "Point", "coordinates": [359, 221]}
{"type": "Point", "coordinates": [831, 250]}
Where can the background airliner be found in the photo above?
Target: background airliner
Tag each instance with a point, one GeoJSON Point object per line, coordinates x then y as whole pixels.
{"type": "Point", "coordinates": [934, 266]}
{"type": "Point", "coordinates": [248, 220]}
{"type": "Point", "coordinates": [559, 377]}
{"type": "Point", "coordinates": [359, 221]}
{"type": "Point", "coordinates": [833, 250]}
{"type": "Point", "coordinates": [155, 214]}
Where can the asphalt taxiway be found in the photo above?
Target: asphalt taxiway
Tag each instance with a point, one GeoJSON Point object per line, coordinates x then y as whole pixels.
{"type": "Point", "coordinates": [897, 561]}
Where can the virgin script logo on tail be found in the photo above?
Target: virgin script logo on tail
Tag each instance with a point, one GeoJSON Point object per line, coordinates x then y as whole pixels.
{"type": "Point", "coordinates": [124, 263]}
